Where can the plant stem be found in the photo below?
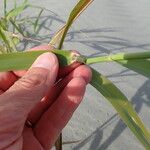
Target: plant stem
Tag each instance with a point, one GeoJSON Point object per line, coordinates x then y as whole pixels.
{"type": "Point", "coordinates": [5, 8]}
{"type": "Point", "coordinates": [119, 56]}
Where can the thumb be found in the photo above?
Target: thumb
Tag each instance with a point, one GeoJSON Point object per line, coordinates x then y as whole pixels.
{"type": "Point", "coordinates": [34, 85]}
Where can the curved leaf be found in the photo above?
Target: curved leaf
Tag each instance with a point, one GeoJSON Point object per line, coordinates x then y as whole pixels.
{"type": "Point", "coordinates": [141, 66]}
{"type": "Point", "coordinates": [37, 20]}
{"type": "Point", "coordinates": [16, 11]}
{"type": "Point", "coordinates": [16, 26]}
{"type": "Point", "coordinates": [138, 62]}
{"type": "Point", "coordinates": [57, 37]}
{"type": "Point", "coordinates": [77, 10]}
{"type": "Point", "coordinates": [122, 106]}
{"type": "Point", "coordinates": [5, 36]}
{"type": "Point", "coordinates": [55, 41]}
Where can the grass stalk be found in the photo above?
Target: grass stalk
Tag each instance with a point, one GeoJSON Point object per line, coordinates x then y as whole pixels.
{"type": "Point", "coordinates": [5, 8]}
{"type": "Point", "coordinates": [119, 56]}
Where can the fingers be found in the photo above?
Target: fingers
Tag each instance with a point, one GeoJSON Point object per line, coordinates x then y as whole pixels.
{"type": "Point", "coordinates": [62, 71]}
{"type": "Point", "coordinates": [67, 69]}
{"type": "Point", "coordinates": [30, 89]}
{"type": "Point", "coordinates": [29, 141]}
{"type": "Point", "coordinates": [7, 79]}
{"type": "Point", "coordinates": [82, 71]}
{"type": "Point", "coordinates": [21, 73]}
{"type": "Point", "coordinates": [56, 117]}
{"type": "Point", "coordinates": [1, 92]}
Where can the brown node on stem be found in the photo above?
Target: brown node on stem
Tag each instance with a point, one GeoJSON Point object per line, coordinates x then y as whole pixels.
{"type": "Point", "coordinates": [77, 57]}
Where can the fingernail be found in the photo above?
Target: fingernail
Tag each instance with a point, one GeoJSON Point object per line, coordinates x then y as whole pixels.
{"type": "Point", "coordinates": [47, 61]}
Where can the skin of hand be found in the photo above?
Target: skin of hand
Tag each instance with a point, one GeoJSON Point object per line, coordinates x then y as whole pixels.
{"type": "Point", "coordinates": [38, 95]}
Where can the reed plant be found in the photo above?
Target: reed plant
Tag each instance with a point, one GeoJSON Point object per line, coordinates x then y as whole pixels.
{"type": "Point", "coordinates": [13, 59]}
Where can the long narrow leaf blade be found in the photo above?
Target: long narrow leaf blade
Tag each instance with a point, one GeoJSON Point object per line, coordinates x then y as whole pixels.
{"type": "Point", "coordinates": [4, 35]}
{"type": "Point", "coordinates": [16, 26]}
{"type": "Point", "coordinates": [37, 20]}
{"type": "Point", "coordinates": [119, 57]}
{"type": "Point", "coordinates": [3, 23]}
{"type": "Point", "coordinates": [122, 106]}
{"type": "Point", "coordinates": [16, 11]}
{"type": "Point", "coordinates": [57, 37]}
{"type": "Point", "coordinates": [138, 62]}
{"type": "Point", "coordinates": [2, 49]}
{"type": "Point", "coordinates": [77, 10]}
{"type": "Point", "coordinates": [5, 7]}
{"type": "Point", "coordinates": [141, 66]}
{"type": "Point", "coordinates": [23, 60]}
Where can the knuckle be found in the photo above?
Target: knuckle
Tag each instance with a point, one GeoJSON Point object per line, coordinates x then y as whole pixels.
{"type": "Point", "coordinates": [32, 81]}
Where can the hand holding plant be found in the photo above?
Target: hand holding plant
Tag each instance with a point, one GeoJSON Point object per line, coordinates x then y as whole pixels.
{"type": "Point", "coordinates": [139, 62]}
{"type": "Point", "coordinates": [42, 100]}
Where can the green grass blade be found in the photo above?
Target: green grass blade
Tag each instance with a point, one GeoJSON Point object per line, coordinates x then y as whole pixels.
{"type": "Point", "coordinates": [77, 10]}
{"type": "Point", "coordinates": [37, 20]}
{"type": "Point", "coordinates": [122, 106]}
{"type": "Point", "coordinates": [16, 11]}
{"type": "Point", "coordinates": [2, 49]}
{"type": "Point", "coordinates": [118, 57]}
{"type": "Point", "coordinates": [7, 40]}
{"type": "Point", "coordinates": [55, 41]}
{"type": "Point", "coordinates": [141, 66]}
{"type": "Point", "coordinates": [5, 7]}
{"type": "Point", "coordinates": [23, 60]}
{"type": "Point", "coordinates": [15, 3]}
{"type": "Point", "coordinates": [3, 23]}
{"type": "Point", "coordinates": [138, 62]}
{"type": "Point", "coordinates": [57, 37]}
{"type": "Point", "coordinates": [16, 27]}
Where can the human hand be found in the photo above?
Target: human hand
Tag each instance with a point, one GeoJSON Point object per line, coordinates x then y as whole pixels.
{"type": "Point", "coordinates": [39, 98]}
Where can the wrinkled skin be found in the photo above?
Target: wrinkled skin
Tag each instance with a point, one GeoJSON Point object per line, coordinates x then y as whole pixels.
{"type": "Point", "coordinates": [37, 95]}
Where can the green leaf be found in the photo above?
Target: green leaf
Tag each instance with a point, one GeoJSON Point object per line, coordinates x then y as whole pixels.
{"type": "Point", "coordinates": [138, 62]}
{"type": "Point", "coordinates": [16, 26]}
{"type": "Point", "coordinates": [23, 60]}
{"type": "Point", "coordinates": [3, 23]}
{"type": "Point", "coordinates": [5, 7]}
{"type": "Point", "coordinates": [37, 20]}
{"type": "Point", "coordinates": [16, 11]}
{"type": "Point", "coordinates": [7, 40]}
{"type": "Point", "coordinates": [122, 106]}
{"type": "Point", "coordinates": [55, 41]}
{"type": "Point", "coordinates": [2, 49]}
{"type": "Point", "coordinates": [141, 66]}
{"type": "Point", "coordinates": [15, 3]}
{"type": "Point", "coordinates": [77, 10]}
